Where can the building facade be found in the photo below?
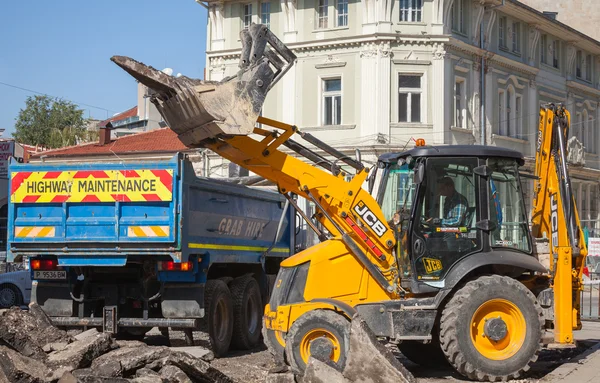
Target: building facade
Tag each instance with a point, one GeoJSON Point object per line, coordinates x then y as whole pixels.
{"type": "Point", "coordinates": [376, 75]}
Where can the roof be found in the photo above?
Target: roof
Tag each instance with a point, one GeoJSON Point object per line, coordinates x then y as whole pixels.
{"type": "Point", "coordinates": [159, 140]}
{"type": "Point", "coordinates": [454, 151]}
{"type": "Point", "coordinates": [121, 116]}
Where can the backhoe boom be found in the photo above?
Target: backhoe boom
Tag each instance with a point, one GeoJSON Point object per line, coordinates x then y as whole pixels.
{"type": "Point", "coordinates": [555, 217]}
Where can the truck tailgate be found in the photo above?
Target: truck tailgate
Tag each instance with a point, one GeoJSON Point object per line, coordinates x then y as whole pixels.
{"type": "Point", "coordinates": [100, 203]}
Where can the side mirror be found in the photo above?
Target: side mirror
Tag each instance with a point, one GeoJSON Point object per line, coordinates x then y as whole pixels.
{"type": "Point", "coordinates": [419, 173]}
{"type": "Point", "coordinates": [371, 179]}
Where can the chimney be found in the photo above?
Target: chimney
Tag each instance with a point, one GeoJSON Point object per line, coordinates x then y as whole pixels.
{"type": "Point", "coordinates": [104, 134]}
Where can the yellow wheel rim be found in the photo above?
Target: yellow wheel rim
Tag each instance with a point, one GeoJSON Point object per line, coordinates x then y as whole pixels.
{"type": "Point", "coordinates": [514, 336]}
{"type": "Point", "coordinates": [310, 336]}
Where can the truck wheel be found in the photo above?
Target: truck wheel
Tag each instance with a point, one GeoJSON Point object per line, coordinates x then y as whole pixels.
{"type": "Point", "coordinates": [247, 312]}
{"type": "Point", "coordinates": [491, 329]}
{"type": "Point", "coordinates": [423, 354]}
{"type": "Point", "coordinates": [219, 316]}
{"type": "Point", "coordinates": [322, 334]}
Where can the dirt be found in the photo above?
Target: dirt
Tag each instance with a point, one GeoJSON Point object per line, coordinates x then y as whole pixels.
{"type": "Point", "coordinates": [252, 366]}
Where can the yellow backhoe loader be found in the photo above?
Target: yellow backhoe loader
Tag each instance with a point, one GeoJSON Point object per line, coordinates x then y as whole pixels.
{"type": "Point", "coordinates": [437, 255]}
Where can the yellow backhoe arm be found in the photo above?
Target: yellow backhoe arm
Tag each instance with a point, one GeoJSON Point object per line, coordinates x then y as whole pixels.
{"type": "Point", "coordinates": [222, 116]}
{"type": "Point", "coordinates": [555, 217]}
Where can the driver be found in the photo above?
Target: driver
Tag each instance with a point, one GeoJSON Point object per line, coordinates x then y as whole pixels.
{"type": "Point", "coordinates": [455, 204]}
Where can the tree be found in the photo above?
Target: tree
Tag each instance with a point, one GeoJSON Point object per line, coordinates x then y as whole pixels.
{"type": "Point", "coordinates": [50, 122]}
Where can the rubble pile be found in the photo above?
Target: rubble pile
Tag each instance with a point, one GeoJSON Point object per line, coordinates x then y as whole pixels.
{"type": "Point", "coordinates": [368, 362]}
{"type": "Point", "coordinates": [32, 350]}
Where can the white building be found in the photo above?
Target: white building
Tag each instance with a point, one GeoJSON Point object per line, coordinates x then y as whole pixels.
{"type": "Point", "coordinates": [376, 74]}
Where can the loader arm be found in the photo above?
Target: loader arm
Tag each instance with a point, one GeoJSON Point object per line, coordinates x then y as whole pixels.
{"type": "Point", "coordinates": [222, 116]}
{"type": "Point", "coordinates": [555, 216]}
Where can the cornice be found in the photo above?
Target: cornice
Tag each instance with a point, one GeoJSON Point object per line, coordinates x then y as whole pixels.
{"type": "Point", "coordinates": [393, 39]}
{"type": "Point", "coordinates": [505, 62]}
{"type": "Point", "coordinates": [583, 88]}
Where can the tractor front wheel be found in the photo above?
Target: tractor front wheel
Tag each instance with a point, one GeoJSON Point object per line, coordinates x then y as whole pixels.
{"type": "Point", "coordinates": [322, 334]}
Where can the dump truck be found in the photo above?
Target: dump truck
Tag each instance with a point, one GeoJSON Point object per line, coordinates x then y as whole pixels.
{"type": "Point", "coordinates": [125, 247]}
{"type": "Point", "coordinates": [436, 255]}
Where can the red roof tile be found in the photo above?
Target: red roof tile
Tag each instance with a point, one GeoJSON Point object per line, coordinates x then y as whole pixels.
{"type": "Point", "coordinates": [121, 116]}
{"type": "Point", "coordinates": [159, 140]}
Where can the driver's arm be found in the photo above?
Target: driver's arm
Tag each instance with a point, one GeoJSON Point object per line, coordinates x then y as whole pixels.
{"type": "Point", "coordinates": [455, 215]}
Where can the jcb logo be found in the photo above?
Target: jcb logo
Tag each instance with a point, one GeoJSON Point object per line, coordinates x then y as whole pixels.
{"type": "Point", "coordinates": [554, 219]}
{"type": "Point", "coordinates": [539, 140]}
{"type": "Point", "coordinates": [370, 218]}
{"type": "Point", "coordinates": [432, 265]}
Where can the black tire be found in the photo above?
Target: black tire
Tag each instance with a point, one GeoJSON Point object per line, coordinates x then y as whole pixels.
{"type": "Point", "coordinates": [133, 333]}
{"type": "Point", "coordinates": [218, 316]}
{"type": "Point", "coordinates": [247, 312]}
{"type": "Point", "coordinates": [10, 296]}
{"type": "Point", "coordinates": [164, 331]}
{"type": "Point", "coordinates": [275, 342]}
{"type": "Point", "coordinates": [308, 327]}
{"type": "Point", "coordinates": [423, 354]}
{"type": "Point", "coordinates": [459, 329]}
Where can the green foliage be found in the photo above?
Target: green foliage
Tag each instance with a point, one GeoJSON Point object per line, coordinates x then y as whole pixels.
{"type": "Point", "coordinates": [50, 122]}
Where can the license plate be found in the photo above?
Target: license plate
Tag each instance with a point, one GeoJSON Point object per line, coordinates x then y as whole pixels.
{"type": "Point", "coordinates": [49, 275]}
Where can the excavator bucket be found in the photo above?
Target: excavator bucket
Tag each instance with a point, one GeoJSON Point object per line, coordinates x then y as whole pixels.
{"type": "Point", "coordinates": [197, 110]}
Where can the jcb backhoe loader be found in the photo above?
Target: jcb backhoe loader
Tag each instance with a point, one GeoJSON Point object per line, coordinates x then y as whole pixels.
{"type": "Point", "coordinates": [437, 256]}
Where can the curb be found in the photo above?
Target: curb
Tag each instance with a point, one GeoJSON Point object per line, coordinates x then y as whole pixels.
{"type": "Point", "coordinates": [559, 373]}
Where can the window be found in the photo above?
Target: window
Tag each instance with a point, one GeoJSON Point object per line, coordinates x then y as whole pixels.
{"type": "Point", "coordinates": [516, 37]}
{"type": "Point", "coordinates": [506, 207]}
{"type": "Point", "coordinates": [543, 49]}
{"type": "Point", "coordinates": [247, 20]}
{"type": "Point", "coordinates": [555, 52]}
{"type": "Point", "coordinates": [518, 116]}
{"type": "Point", "coordinates": [584, 129]}
{"type": "Point", "coordinates": [576, 128]}
{"type": "Point", "coordinates": [265, 14]}
{"type": "Point", "coordinates": [332, 101]}
{"type": "Point", "coordinates": [591, 134]}
{"type": "Point", "coordinates": [409, 98]}
{"type": "Point", "coordinates": [451, 201]}
{"type": "Point", "coordinates": [410, 10]}
{"type": "Point", "coordinates": [578, 64]}
{"type": "Point", "coordinates": [584, 207]}
{"type": "Point", "coordinates": [588, 68]}
{"type": "Point", "coordinates": [323, 13]}
{"type": "Point", "coordinates": [342, 13]}
{"type": "Point", "coordinates": [459, 103]}
{"type": "Point", "coordinates": [502, 32]}
{"type": "Point", "coordinates": [458, 16]}
{"type": "Point", "coordinates": [509, 109]}
{"type": "Point", "coordinates": [501, 111]}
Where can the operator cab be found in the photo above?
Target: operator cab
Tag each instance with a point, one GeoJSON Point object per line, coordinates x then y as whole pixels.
{"type": "Point", "coordinates": [447, 203]}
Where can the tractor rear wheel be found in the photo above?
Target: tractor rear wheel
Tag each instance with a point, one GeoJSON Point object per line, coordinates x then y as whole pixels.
{"type": "Point", "coordinates": [491, 329]}
{"type": "Point", "coordinates": [322, 334]}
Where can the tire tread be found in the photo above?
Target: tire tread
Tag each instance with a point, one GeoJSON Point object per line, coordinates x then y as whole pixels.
{"type": "Point", "coordinates": [448, 325]}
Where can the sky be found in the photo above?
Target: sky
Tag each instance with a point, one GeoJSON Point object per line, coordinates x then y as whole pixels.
{"type": "Point", "coordinates": [62, 48]}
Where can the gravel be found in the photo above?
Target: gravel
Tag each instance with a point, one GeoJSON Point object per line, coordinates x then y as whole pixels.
{"type": "Point", "coordinates": [252, 366]}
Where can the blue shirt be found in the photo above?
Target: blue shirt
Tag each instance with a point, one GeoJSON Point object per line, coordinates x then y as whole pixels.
{"type": "Point", "coordinates": [455, 207]}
